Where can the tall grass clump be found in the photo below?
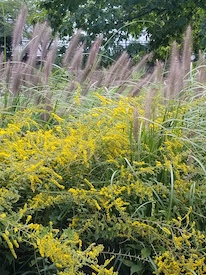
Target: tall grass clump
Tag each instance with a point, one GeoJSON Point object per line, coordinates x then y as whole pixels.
{"type": "Point", "coordinates": [102, 170]}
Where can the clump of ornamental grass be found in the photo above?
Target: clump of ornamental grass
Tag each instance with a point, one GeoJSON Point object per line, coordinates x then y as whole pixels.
{"type": "Point", "coordinates": [28, 80]}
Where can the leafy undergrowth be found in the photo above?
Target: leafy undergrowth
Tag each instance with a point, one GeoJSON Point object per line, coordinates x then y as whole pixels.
{"type": "Point", "coordinates": [107, 190]}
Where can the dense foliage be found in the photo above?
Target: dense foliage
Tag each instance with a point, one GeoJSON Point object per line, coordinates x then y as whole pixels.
{"type": "Point", "coordinates": [164, 21]}
{"type": "Point", "coordinates": [104, 187]}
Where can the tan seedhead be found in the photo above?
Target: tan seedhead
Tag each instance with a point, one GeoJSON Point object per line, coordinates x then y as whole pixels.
{"type": "Point", "coordinates": [49, 62]}
{"type": "Point", "coordinates": [174, 80]}
{"type": "Point", "coordinates": [141, 64]}
{"type": "Point", "coordinates": [115, 70]}
{"type": "Point", "coordinates": [142, 82]}
{"type": "Point", "coordinates": [71, 49]}
{"type": "Point", "coordinates": [16, 78]}
{"type": "Point", "coordinates": [187, 53]}
{"type": "Point", "coordinates": [18, 32]}
{"type": "Point", "coordinates": [84, 69]}
{"type": "Point", "coordinates": [92, 61]}
{"type": "Point", "coordinates": [201, 68]}
{"type": "Point", "coordinates": [45, 42]}
{"type": "Point", "coordinates": [77, 61]}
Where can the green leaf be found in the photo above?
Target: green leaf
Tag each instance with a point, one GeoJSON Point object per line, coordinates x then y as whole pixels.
{"type": "Point", "coordinates": [146, 252]}
{"type": "Point", "coordinates": [138, 269]}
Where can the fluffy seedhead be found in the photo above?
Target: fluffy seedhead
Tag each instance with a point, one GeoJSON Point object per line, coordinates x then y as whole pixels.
{"type": "Point", "coordinates": [201, 68]}
{"type": "Point", "coordinates": [16, 78]}
{"type": "Point", "coordinates": [49, 62]}
{"type": "Point", "coordinates": [92, 61]}
{"type": "Point", "coordinates": [77, 60]}
{"type": "Point", "coordinates": [45, 42]}
{"type": "Point", "coordinates": [187, 53]}
{"type": "Point", "coordinates": [115, 70]}
{"type": "Point", "coordinates": [174, 80]}
{"type": "Point", "coordinates": [18, 32]}
{"type": "Point", "coordinates": [25, 71]}
{"type": "Point", "coordinates": [71, 49]}
{"type": "Point", "coordinates": [142, 63]}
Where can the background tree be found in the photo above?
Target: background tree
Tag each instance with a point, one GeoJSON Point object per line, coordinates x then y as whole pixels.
{"type": "Point", "coordinates": [8, 13]}
{"type": "Point", "coordinates": [164, 20]}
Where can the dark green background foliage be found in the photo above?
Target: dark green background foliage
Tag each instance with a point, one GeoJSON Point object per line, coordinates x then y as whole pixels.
{"type": "Point", "coordinates": [116, 20]}
{"type": "Point", "coordinates": [8, 12]}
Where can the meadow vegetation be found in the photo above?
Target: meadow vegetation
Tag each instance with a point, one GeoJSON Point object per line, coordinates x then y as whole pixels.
{"type": "Point", "coordinates": [102, 171]}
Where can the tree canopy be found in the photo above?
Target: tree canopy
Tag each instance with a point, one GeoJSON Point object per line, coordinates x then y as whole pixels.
{"type": "Point", "coordinates": [8, 12]}
{"type": "Point", "coordinates": [120, 21]}
{"type": "Point", "coordinates": [117, 20]}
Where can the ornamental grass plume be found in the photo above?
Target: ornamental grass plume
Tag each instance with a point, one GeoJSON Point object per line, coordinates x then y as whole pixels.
{"type": "Point", "coordinates": [33, 48]}
{"type": "Point", "coordinates": [92, 62]}
{"type": "Point", "coordinates": [16, 78]}
{"type": "Point", "coordinates": [49, 61]}
{"type": "Point", "coordinates": [123, 80]}
{"type": "Point", "coordinates": [77, 61]}
{"type": "Point", "coordinates": [18, 32]}
{"type": "Point", "coordinates": [141, 64]}
{"type": "Point", "coordinates": [187, 53]}
{"type": "Point", "coordinates": [7, 73]}
{"type": "Point", "coordinates": [201, 74]}
{"type": "Point", "coordinates": [152, 93]}
{"type": "Point", "coordinates": [84, 69]}
{"type": "Point", "coordinates": [114, 70]}
{"type": "Point", "coordinates": [46, 42]}
{"type": "Point", "coordinates": [174, 80]}
{"type": "Point", "coordinates": [143, 82]}
{"type": "Point", "coordinates": [71, 49]}
{"type": "Point", "coordinates": [37, 35]}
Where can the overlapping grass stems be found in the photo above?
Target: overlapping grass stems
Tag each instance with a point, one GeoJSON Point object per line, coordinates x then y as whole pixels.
{"type": "Point", "coordinates": [95, 179]}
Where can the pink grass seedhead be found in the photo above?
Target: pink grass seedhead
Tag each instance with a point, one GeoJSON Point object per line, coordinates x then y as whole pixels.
{"type": "Point", "coordinates": [16, 78]}
{"type": "Point", "coordinates": [187, 52]}
{"type": "Point", "coordinates": [31, 68]}
{"type": "Point", "coordinates": [18, 28]}
{"type": "Point", "coordinates": [174, 80]}
{"type": "Point", "coordinates": [49, 62]}
{"type": "Point", "coordinates": [71, 49]}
